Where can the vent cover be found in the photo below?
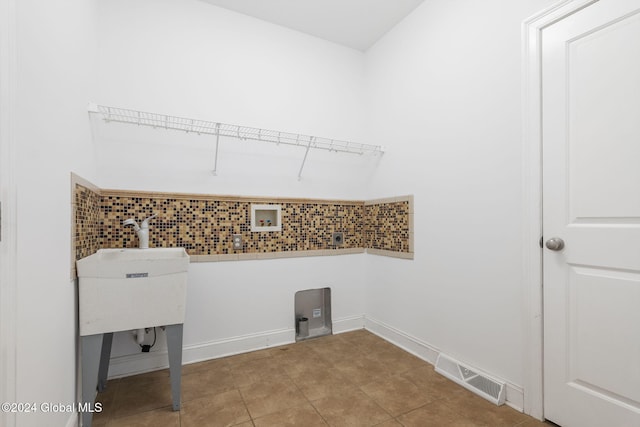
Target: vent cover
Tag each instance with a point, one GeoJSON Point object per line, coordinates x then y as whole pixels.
{"type": "Point", "coordinates": [484, 386]}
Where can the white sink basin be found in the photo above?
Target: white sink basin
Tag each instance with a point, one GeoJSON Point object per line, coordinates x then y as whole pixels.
{"type": "Point", "coordinates": [123, 289]}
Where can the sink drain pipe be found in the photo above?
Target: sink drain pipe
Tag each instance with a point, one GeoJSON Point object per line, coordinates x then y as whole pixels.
{"type": "Point", "coordinates": [139, 335]}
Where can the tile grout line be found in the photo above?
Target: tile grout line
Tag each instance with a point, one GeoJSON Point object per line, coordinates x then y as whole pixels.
{"type": "Point", "coordinates": [244, 402]}
{"type": "Point", "coordinates": [308, 400]}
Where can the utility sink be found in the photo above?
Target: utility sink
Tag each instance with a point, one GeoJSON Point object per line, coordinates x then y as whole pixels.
{"type": "Point", "coordinates": [125, 289]}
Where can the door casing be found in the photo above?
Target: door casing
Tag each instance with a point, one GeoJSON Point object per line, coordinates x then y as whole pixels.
{"type": "Point", "coordinates": [8, 268]}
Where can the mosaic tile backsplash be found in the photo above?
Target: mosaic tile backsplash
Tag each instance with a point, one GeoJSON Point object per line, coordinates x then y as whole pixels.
{"type": "Point", "coordinates": [88, 222]}
{"type": "Point", "coordinates": [204, 225]}
{"type": "Point", "coordinates": [387, 226]}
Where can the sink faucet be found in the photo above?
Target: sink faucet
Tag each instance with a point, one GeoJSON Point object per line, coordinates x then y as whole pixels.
{"type": "Point", "coordinates": [143, 231]}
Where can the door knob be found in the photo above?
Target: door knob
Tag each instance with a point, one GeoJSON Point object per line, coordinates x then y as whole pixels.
{"type": "Point", "coordinates": [555, 244]}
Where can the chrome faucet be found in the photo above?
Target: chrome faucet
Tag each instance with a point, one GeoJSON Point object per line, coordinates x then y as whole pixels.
{"type": "Point", "coordinates": [143, 231]}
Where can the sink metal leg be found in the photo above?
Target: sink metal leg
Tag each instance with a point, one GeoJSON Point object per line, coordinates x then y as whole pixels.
{"type": "Point", "coordinates": [91, 346]}
{"type": "Point", "coordinates": [174, 344]}
{"type": "Point", "coordinates": [105, 354]}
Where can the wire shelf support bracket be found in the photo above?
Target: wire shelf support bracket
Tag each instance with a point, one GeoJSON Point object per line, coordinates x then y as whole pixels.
{"type": "Point", "coordinates": [304, 159]}
{"type": "Point", "coordinates": [217, 129]}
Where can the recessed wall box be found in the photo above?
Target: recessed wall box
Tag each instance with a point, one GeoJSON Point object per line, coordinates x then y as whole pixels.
{"type": "Point", "coordinates": [313, 305]}
{"type": "Point", "coordinates": [266, 218]}
{"type": "Point", "coordinates": [337, 239]}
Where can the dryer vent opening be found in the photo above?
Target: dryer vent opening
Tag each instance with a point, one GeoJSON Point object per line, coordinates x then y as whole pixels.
{"type": "Point", "coordinates": [312, 313]}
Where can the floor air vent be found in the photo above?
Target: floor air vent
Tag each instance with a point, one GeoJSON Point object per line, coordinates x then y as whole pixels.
{"type": "Point", "coordinates": [482, 385]}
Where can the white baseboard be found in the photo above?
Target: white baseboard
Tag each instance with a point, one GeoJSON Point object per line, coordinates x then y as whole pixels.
{"type": "Point", "coordinates": [347, 324]}
{"type": "Point", "coordinates": [429, 353]}
{"type": "Point", "coordinates": [411, 344]}
{"type": "Point", "coordinates": [237, 345]}
{"type": "Point", "coordinates": [138, 363]}
{"type": "Point", "coordinates": [73, 421]}
{"type": "Point", "coordinates": [515, 397]}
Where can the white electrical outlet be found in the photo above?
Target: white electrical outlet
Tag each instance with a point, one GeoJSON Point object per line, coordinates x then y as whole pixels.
{"type": "Point", "coordinates": [317, 312]}
{"type": "Point", "coordinates": [237, 241]}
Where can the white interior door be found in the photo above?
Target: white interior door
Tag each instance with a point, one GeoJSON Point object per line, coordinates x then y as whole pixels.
{"type": "Point", "coordinates": [591, 200]}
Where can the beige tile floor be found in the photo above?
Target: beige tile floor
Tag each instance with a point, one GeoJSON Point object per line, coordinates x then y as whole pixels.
{"type": "Point", "coordinates": [350, 379]}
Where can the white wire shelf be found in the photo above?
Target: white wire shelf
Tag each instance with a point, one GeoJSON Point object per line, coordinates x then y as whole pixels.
{"type": "Point", "coordinates": [204, 127]}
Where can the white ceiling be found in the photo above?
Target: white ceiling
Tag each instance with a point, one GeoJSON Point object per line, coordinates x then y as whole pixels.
{"type": "Point", "coordinates": [354, 23]}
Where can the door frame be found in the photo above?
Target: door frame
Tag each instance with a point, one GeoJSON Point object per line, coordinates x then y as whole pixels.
{"type": "Point", "coordinates": [8, 190]}
{"type": "Point", "coordinates": [532, 198]}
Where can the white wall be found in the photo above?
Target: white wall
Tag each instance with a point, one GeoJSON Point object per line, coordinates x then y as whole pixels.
{"type": "Point", "coordinates": [444, 95]}
{"type": "Point", "coordinates": [191, 59]}
{"type": "Point", "coordinates": [56, 47]}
